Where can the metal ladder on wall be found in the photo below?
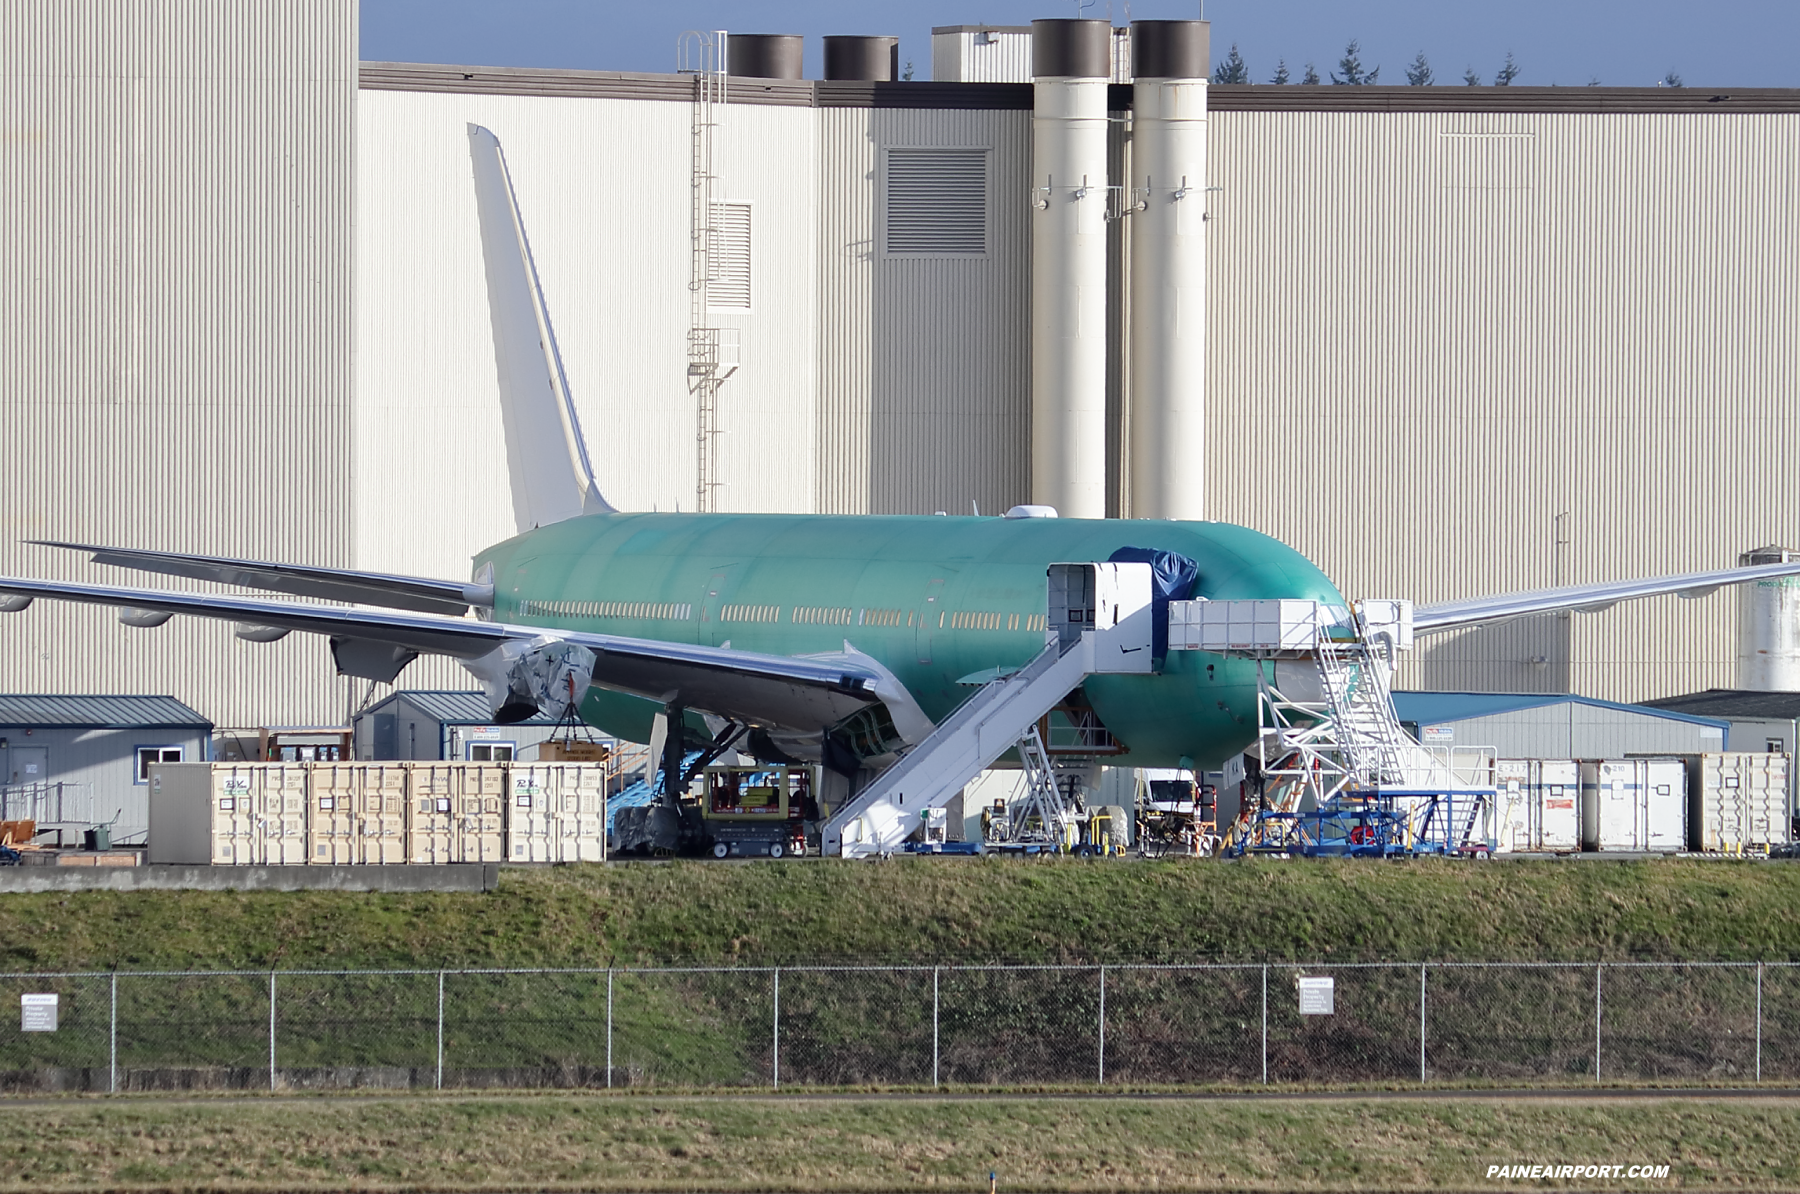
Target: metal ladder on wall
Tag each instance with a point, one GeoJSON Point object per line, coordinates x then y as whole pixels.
{"type": "Point", "coordinates": [712, 352]}
{"type": "Point", "coordinates": [999, 716]}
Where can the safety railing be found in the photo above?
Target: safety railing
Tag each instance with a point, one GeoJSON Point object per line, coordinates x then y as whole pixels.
{"type": "Point", "coordinates": [908, 1026]}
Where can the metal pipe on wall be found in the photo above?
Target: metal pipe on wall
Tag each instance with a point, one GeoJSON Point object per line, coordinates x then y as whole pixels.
{"type": "Point", "coordinates": [1167, 194]}
{"type": "Point", "coordinates": [1070, 62]}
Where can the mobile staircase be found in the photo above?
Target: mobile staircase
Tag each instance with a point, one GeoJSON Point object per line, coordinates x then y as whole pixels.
{"type": "Point", "coordinates": [1340, 775]}
{"type": "Point", "coordinates": [1099, 621]}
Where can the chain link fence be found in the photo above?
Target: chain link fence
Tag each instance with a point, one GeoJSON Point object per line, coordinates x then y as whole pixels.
{"type": "Point", "coordinates": [907, 1026]}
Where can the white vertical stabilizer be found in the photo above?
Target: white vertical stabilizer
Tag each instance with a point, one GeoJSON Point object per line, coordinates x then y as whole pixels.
{"type": "Point", "coordinates": [545, 453]}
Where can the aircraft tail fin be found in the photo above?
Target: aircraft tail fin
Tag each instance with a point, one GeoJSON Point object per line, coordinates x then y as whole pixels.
{"type": "Point", "coordinates": [546, 455]}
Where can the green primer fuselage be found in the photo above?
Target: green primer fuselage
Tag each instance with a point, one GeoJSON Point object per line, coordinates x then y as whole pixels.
{"type": "Point", "coordinates": [933, 598]}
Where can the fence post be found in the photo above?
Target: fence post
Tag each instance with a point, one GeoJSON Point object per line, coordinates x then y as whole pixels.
{"type": "Point", "coordinates": [1102, 1081]}
{"type": "Point", "coordinates": [440, 1032]}
{"type": "Point", "coordinates": [271, 1030]}
{"type": "Point", "coordinates": [1597, 966]}
{"type": "Point", "coordinates": [609, 975]}
{"type": "Point", "coordinates": [1759, 970]}
{"type": "Point", "coordinates": [112, 1034]}
{"type": "Point", "coordinates": [1265, 1032]}
{"type": "Point", "coordinates": [934, 1025]}
{"type": "Point", "coordinates": [775, 1067]}
{"type": "Point", "coordinates": [1421, 1021]}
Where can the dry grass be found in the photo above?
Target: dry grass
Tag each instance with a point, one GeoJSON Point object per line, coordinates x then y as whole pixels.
{"type": "Point", "coordinates": [809, 1144]}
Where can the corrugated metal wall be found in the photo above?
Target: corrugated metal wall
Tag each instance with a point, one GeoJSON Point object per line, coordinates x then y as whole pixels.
{"type": "Point", "coordinates": [847, 172]}
{"type": "Point", "coordinates": [951, 417]}
{"type": "Point", "coordinates": [1573, 731]}
{"type": "Point", "coordinates": [1461, 353]}
{"type": "Point", "coordinates": [175, 328]}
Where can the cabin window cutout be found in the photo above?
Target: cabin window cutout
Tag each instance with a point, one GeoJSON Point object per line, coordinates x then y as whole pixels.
{"type": "Point", "coordinates": [935, 202]}
{"type": "Point", "coordinates": [818, 615]}
{"type": "Point", "coordinates": [882, 617]}
{"type": "Point", "coordinates": [728, 258]}
{"type": "Point", "coordinates": [750, 613]}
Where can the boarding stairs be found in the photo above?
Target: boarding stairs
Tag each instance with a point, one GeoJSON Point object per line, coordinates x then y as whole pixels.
{"type": "Point", "coordinates": [984, 727]}
{"type": "Point", "coordinates": [1098, 622]}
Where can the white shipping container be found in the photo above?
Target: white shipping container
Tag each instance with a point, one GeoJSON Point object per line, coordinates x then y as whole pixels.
{"type": "Point", "coordinates": [1737, 801]}
{"type": "Point", "coordinates": [431, 795]}
{"type": "Point", "coordinates": [381, 814]}
{"type": "Point", "coordinates": [531, 829]}
{"type": "Point", "coordinates": [481, 817]}
{"type": "Point", "coordinates": [284, 813]}
{"type": "Point", "coordinates": [331, 815]}
{"type": "Point", "coordinates": [1537, 805]}
{"type": "Point", "coordinates": [1634, 804]}
{"type": "Point", "coordinates": [558, 812]}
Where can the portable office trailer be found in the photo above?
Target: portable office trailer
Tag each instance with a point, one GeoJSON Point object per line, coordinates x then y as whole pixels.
{"type": "Point", "coordinates": [1537, 805]}
{"type": "Point", "coordinates": [1737, 801]}
{"type": "Point", "coordinates": [1634, 804]}
{"type": "Point", "coordinates": [226, 814]}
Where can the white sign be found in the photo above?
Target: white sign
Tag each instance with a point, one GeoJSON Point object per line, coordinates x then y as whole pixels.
{"type": "Point", "coordinates": [1316, 997]}
{"type": "Point", "coordinates": [485, 732]}
{"type": "Point", "coordinates": [1437, 734]}
{"type": "Point", "coordinates": [37, 1013]}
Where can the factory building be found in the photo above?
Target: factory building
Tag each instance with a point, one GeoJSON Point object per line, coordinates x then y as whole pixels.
{"type": "Point", "coordinates": [1444, 341]}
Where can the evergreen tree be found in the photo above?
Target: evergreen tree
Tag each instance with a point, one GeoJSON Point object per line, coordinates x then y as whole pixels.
{"type": "Point", "coordinates": [1419, 73]}
{"type": "Point", "coordinates": [1351, 66]}
{"type": "Point", "coordinates": [1506, 74]}
{"type": "Point", "coordinates": [1672, 80]}
{"type": "Point", "coordinates": [906, 76]}
{"type": "Point", "coordinates": [1232, 70]}
{"type": "Point", "coordinates": [1311, 75]}
{"type": "Point", "coordinates": [1470, 78]}
{"type": "Point", "coordinates": [1281, 74]}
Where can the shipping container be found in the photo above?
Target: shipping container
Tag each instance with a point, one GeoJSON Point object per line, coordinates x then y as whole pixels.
{"type": "Point", "coordinates": [557, 812]}
{"type": "Point", "coordinates": [1537, 805]}
{"type": "Point", "coordinates": [1737, 801]}
{"type": "Point", "coordinates": [331, 814]}
{"type": "Point", "coordinates": [226, 814]}
{"type": "Point", "coordinates": [581, 809]}
{"type": "Point", "coordinates": [1634, 804]}
{"type": "Point", "coordinates": [531, 828]}
{"type": "Point", "coordinates": [381, 814]}
{"type": "Point", "coordinates": [481, 820]}
{"type": "Point", "coordinates": [431, 793]}
{"type": "Point", "coordinates": [284, 810]}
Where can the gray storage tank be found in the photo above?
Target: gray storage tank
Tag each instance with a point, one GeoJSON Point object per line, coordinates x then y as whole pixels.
{"type": "Point", "coordinates": [862, 59]}
{"type": "Point", "coordinates": [765, 55]}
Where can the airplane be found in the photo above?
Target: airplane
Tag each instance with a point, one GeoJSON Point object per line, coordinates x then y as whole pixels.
{"type": "Point", "coordinates": [834, 639]}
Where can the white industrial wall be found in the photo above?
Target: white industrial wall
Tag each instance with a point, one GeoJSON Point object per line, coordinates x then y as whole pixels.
{"type": "Point", "coordinates": [1573, 731]}
{"type": "Point", "coordinates": [950, 407]}
{"type": "Point", "coordinates": [1462, 353]}
{"type": "Point", "coordinates": [603, 188]}
{"type": "Point", "coordinates": [175, 330]}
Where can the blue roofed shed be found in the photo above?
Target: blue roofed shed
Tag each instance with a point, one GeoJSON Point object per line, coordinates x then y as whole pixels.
{"type": "Point", "coordinates": [73, 760]}
{"type": "Point", "coordinates": [1555, 726]}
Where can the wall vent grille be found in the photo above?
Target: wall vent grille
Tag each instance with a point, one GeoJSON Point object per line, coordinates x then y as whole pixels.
{"type": "Point", "coordinates": [937, 202]}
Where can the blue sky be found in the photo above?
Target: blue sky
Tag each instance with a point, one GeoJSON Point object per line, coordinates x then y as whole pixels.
{"type": "Point", "coordinates": [1727, 43]}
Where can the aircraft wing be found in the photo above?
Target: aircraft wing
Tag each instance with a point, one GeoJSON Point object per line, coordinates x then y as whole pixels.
{"type": "Point", "coordinates": [1455, 615]}
{"type": "Point", "coordinates": [415, 593]}
{"type": "Point", "coordinates": [775, 691]}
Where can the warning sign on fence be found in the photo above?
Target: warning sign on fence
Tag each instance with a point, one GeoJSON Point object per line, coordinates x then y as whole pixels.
{"type": "Point", "coordinates": [37, 1013]}
{"type": "Point", "coordinates": [1316, 997]}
